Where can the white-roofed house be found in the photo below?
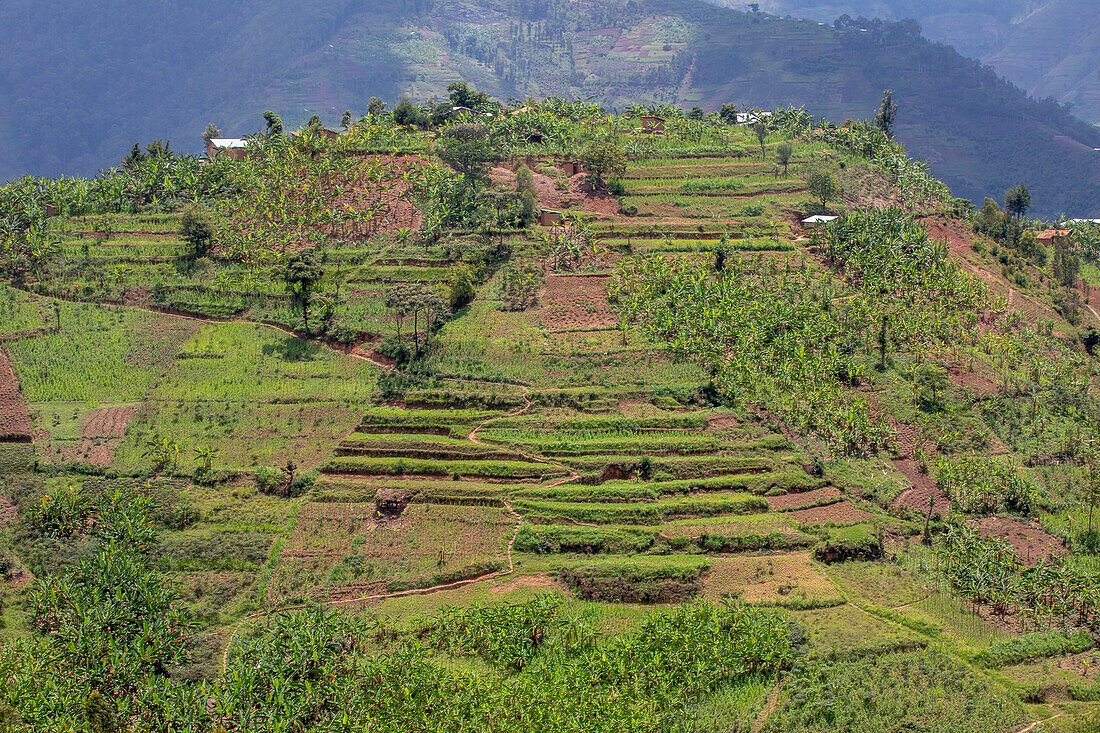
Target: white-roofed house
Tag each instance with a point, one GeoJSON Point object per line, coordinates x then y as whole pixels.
{"type": "Point", "coordinates": [234, 147]}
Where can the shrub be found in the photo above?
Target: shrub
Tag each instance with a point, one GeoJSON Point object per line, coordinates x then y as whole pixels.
{"type": "Point", "coordinates": [60, 513]}
{"type": "Point", "coordinates": [851, 543]}
{"type": "Point", "coordinates": [629, 583]}
{"type": "Point", "coordinates": [303, 482]}
{"type": "Point", "coordinates": [1040, 644]}
{"type": "Point", "coordinates": [198, 229]}
{"type": "Point", "coordinates": [984, 485]}
{"type": "Point", "coordinates": [270, 480]}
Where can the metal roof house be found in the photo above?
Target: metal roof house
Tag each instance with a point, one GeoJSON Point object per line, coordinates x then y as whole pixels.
{"type": "Point", "coordinates": [818, 220]}
{"type": "Point", "coordinates": [234, 147]}
{"type": "Point", "coordinates": [549, 217]}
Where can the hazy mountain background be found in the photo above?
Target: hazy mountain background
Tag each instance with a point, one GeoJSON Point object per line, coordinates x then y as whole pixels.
{"type": "Point", "coordinates": [83, 82]}
{"type": "Point", "coordinates": [1051, 48]}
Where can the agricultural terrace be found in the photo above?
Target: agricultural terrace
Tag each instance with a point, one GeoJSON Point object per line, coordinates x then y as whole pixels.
{"type": "Point", "coordinates": [373, 434]}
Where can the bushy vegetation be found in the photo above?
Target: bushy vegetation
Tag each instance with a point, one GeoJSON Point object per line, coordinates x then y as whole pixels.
{"type": "Point", "coordinates": [924, 690]}
{"type": "Point", "coordinates": [490, 441]}
{"type": "Point", "coordinates": [789, 338]}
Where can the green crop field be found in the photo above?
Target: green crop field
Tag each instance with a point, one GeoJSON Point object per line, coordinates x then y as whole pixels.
{"type": "Point", "coordinates": [349, 436]}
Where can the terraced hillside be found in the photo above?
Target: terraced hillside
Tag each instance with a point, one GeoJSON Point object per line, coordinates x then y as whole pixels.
{"type": "Point", "coordinates": [980, 134]}
{"type": "Point", "coordinates": [476, 467]}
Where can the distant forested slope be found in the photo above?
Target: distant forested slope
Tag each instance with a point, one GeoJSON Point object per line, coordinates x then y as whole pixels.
{"type": "Point", "coordinates": [1051, 48]}
{"type": "Point", "coordinates": [74, 99]}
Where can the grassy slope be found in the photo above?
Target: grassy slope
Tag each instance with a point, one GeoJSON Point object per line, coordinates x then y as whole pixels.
{"type": "Point", "coordinates": [260, 398]}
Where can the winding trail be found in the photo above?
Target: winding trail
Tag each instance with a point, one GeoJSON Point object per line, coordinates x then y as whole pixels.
{"type": "Point", "coordinates": [1031, 726]}
{"type": "Point", "coordinates": [473, 437]}
{"type": "Point", "coordinates": [769, 708]}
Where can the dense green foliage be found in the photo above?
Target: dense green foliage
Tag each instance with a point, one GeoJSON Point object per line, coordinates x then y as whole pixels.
{"type": "Point", "coordinates": [925, 689]}
{"type": "Point", "coordinates": [790, 338]}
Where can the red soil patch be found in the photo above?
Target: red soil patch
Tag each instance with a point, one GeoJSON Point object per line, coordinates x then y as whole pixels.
{"type": "Point", "coordinates": [100, 434]}
{"type": "Point", "coordinates": [843, 512]}
{"type": "Point", "coordinates": [804, 499]}
{"type": "Point", "coordinates": [722, 422]}
{"type": "Point", "coordinates": [107, 422]}
{"type": "Point", "coordinates": [15, 421]}
{"type": "Point", "coordinates": [974, 383]}
{"type": "Point", "coordinates": [578, 194]}
{"type": "Point", "coordinates": [924, 488]}
{"type": "Point", "coordinates": [538, 582]}
{"type": "Point", "coordinates": [574, 302]}
{"type": "Point", "coordinates": [1030, 541]}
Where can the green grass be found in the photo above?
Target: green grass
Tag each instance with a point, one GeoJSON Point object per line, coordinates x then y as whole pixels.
{"type": "Point", "coordinates": [655, 512]}
{"type": "Point", "coordinates": [399, 466]}
{"type": "Point", "coordinates": [921, 690]}
{"type": "Point", "coordinates": [20, 311]}
{"type": "Point", "coordinates": [242, 434]}
{"type": "Point", "coordinates": [241, 361]}
{"type": "Point", "coordinates": [105, 355]}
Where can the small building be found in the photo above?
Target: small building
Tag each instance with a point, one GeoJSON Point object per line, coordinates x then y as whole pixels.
{"type": "Point", "coordinates": [818, 220]}
{"type": "Point", "coordinates": [571, 168]}
{"type": "Point", "coordinates": [233, 147]}
{"type": "Point", "coordinates": [549, 217]}
{"type": "Point", "coordinates": [51, 211]}
{"type": "Point", "coordinates": [1051, 237]}
{"type": "Point", "coordinates": [653, 125]}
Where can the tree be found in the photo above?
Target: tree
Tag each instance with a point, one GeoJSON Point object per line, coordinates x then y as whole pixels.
{"type": "Point", "coordinates": [375, 106]}
{"type": "Point", "coordinates": [468, 149]}
{"type": "Point", "coordinates": [159, 149]}
{"type": "Point", "coordinates": [822, 185]}
{"type": "Point", "coordinates": [197, 229]}
{"type": "Point", "coordinates": [274, 123]}
{"type": "Point", "coordinates": [728, 113]}
{"type": "Point", "coordinates": [314, 123]}
{"type": "Point", "coordinates": [461, 95]}
{"type": "Point", "coordinates": [399, 300]}
{"type": "Point", "coordinates": [760, 128]}
{"type": "Point", "coordinates": [1092, 488]}
{"type": "Point", "coordinates": [525, 187]}
{"type": "Point", "coordinates": [1066, 262]}
{"type": "Point", "coordinates": [134, 159]}
{"type": "Point", "coordinates": [345, 121]}
{"type": "Point", "coordinates": [1017, 200]}
{"type": "Point", "coordinates": [422, 299]}
{"type": "Point", "coordinates": [461, 286]}
{"type": "Point", "coordinates": [930, 383]}
{"type": "Point", "coordinates": [405, 112]}
{"type": "Point", "coordinates": [783, 155]}
{"type": "Point", "coordinates": [884, 118]}
{"type": "Point", "coordinates": [604, 160]}
{"type": "Point", "coordinates": [204, 454]}
{"type": "Point", "coordinates": [302, 275]}
{"type": "Point", "coordinates": [212, 131]}
{"type": "Point", "coordinates": [112, 619]}
{"type": "Point", "coordinates": [696, 113]}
